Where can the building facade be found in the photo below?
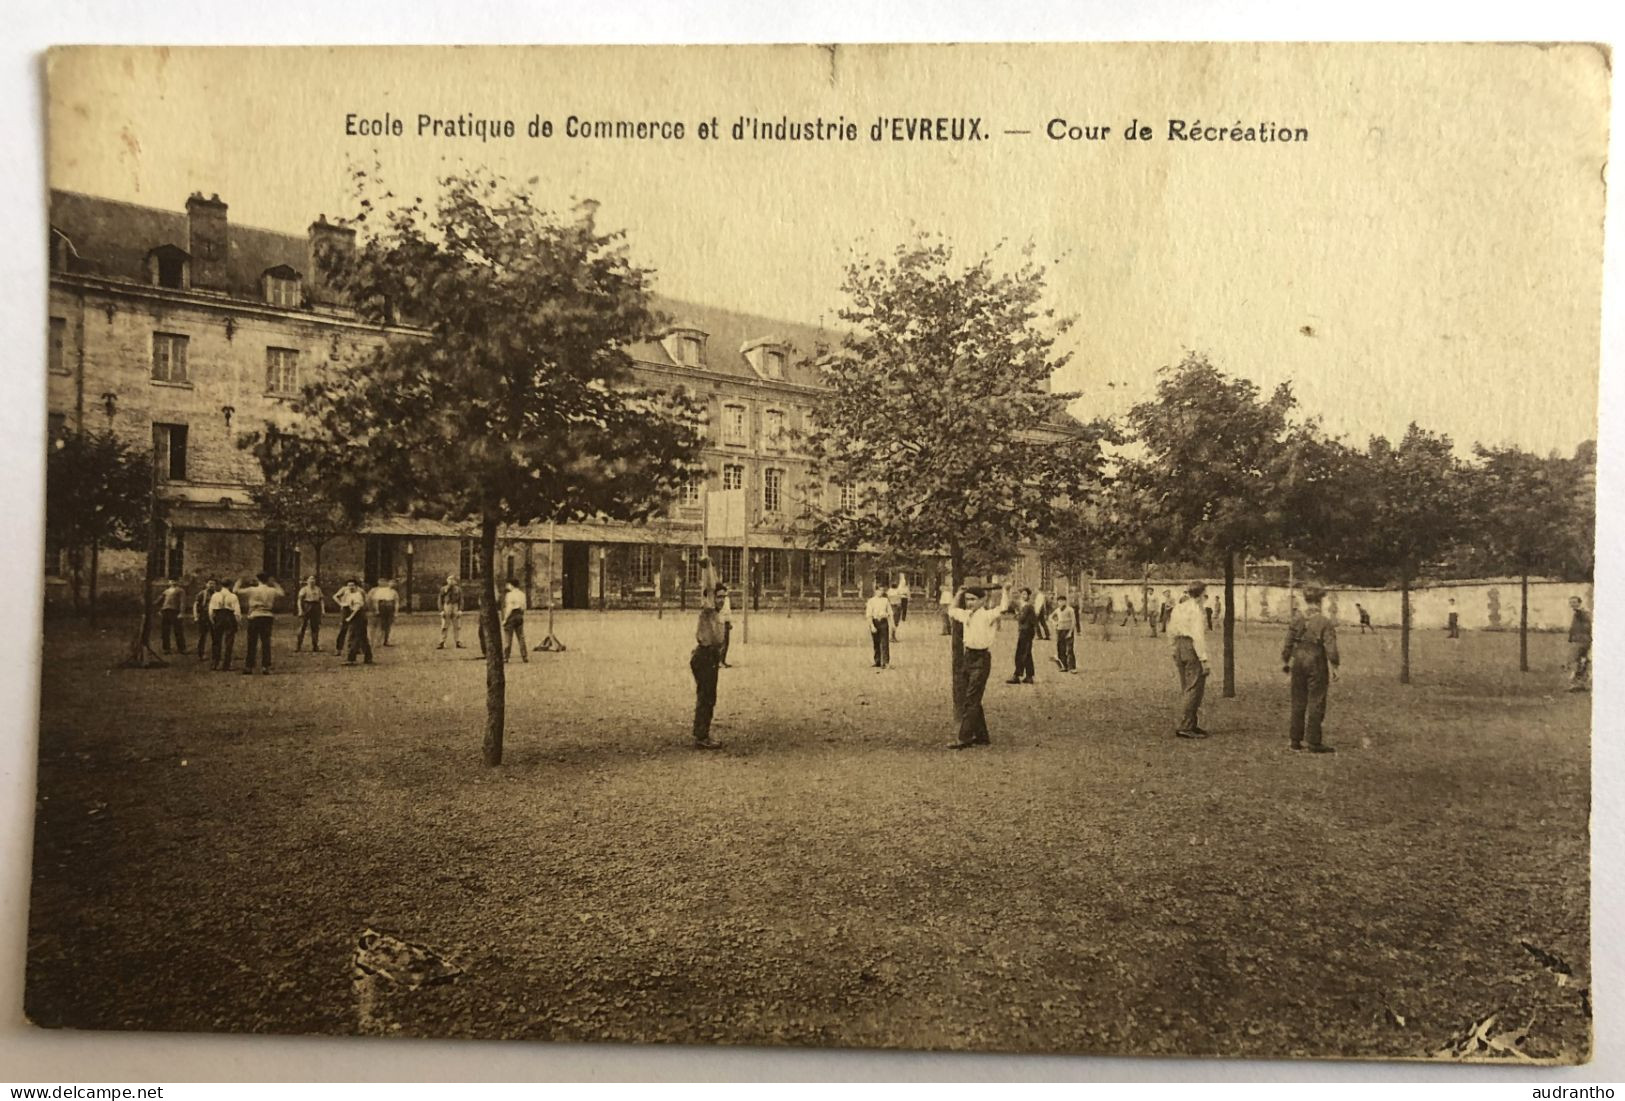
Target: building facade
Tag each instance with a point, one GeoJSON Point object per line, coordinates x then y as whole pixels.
{"type": "Point", "coordinates": [180, 332]}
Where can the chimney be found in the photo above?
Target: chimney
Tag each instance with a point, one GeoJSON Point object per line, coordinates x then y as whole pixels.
{"type": "Point", "coordinates": [329, 243]}
{"type": "Point", "coordinates": [207, 240]}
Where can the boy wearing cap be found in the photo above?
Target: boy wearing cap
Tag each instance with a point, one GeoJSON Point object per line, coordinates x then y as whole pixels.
{"type": "Point", "coordinates": [1188, 628]}
{"type": "Point", "coordinates": [1579, 645]}
{"type": "Point", "coordinates": [1027, 621]}
{"type": "Point", "coordinates": [1064, 621]}
{"type": "Point", "coordinates": [710, 639]}
{"type": "Point", "coordinates": [1310, 657]}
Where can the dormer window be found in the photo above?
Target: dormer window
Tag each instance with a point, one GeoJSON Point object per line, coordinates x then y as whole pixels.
{"type": "Point", "coordinates": [767, 357]}
{"type": "Point", "coordinates": [170, 267]}
{"type": "Point", "coordinates": [282, 288]}
{"type": "Point", "coordinates": [685, 347]}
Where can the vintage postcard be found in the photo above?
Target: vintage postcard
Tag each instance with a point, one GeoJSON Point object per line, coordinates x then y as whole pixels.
{"type": "Point", "coordinates": [1013, 548]}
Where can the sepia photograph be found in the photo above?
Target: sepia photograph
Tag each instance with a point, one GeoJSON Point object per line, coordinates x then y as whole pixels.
{"type": "Point", "coordinates": [1022, 548]}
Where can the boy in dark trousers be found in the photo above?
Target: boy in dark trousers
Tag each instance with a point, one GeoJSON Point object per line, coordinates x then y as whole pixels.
{"type": "Point", "coordinates": [1026, 631]}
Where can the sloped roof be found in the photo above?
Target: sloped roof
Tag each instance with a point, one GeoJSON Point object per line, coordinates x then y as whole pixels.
{"type": "Point", "coordinates": [730, 332]}
{"type": "Point", "coordinates": [112, 239]}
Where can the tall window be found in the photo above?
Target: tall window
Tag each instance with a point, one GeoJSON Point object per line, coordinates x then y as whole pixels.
{"type": "Point", "coordinates": [169, 451]}
{"type": "Point", "coordinates": [58, 348]}
{"type": "Point", "coordinates": [728, 561]}
{"type": "Point", "coordinates": [468, 559]}
{"type": "Point", "coordinates": [1046, 574]}
{"type": "Point", "coordinates": [733, 425]}
{"type": "Point", "coordinates": [281, 556]}
{"type": "Point", "coordinates": [175, 554]}
{"type": "Point", "coordinates": [849, 498]}
{"type": "Point", "coordinates": [849, 570]}
{"type": "Point", "coordinates": [641, 562]}
{"type": "Point", "coordinates": [770, 571]}
{"type": "Point", "coordinates": [282, 292]}
{"type": "Point", "coordinates": [281, 371]}
{"type": "Point", "coordinates": [773, 429]}
{"type": "Point", "coordinates": [378, 558]}
{"type": "Point", "coordinates": [693, 574]}
{"type": "Point", "coordinates": [689, 495]}
{"type": "Point", "coordinates": [810, 561]}
{"type": "Point", "coordinates": [775, 363]}
{"type": "Point", "coordinates": [772, 489]}
{"type": "Point", "coordinates": [169, 358]}
{"type": "Point", "coordinates": [733, 476]}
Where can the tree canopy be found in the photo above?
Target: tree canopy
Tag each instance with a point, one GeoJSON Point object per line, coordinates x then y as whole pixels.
{"type": "Point", "coordinates": [937, 411]}
{"type": "Point", "coordinates": [1202, 480]}
{"type": "Point", "coordinates": [508, 398]}
{"type": "Point", "coordinates": [97, 492]}
{"type": "Point", "coordinates": [937, 408]}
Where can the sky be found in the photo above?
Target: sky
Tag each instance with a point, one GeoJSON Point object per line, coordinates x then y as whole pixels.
{"type": "Point", "coordinates": [1432, 252]}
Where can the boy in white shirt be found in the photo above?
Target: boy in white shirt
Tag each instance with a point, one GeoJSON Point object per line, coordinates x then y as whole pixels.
{"type": "Point", "coordinates": [981, 627]}
{"type": "Point", "coordinates": [223, 612]}
{"type": "Point", "coordinates": [513, 621]}
{"type": "Point", "coordinates": [1187, 626]}
{"type": "Point", "coordinates": [878, 613]}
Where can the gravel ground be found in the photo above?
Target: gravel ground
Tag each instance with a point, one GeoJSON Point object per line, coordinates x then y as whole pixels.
{"type": "Point", "coordinates": [210, 847]}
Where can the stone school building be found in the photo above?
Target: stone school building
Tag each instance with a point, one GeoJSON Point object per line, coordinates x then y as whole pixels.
{"type": "Point", "coordinates": [180, 331]}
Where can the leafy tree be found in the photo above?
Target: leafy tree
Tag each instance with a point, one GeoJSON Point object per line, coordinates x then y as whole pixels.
{"type": "Point", "coordinates": [1535, 514]}
{"type": "Point", "coordinates": [1203, 479]}
{"type": "Point", "coordinates": [97, 494]}
{"type": "Point", "coordinates": [513, 402]}
{"type": "Point", "coordinates": [937, 409]}
{"type": "Point", "coordinates": [293, 499]}
{"type": "Point", "coordinates": [1404, 507]}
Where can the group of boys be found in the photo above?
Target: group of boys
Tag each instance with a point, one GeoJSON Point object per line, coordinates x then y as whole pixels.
{"type": "Point", "coordinates": [1309, 656]}
{"type": "Point", "coordinates": [220, 607]}
{"type": "Point", "coordinates": [1104, 613]}
{"type": "Point", "coordinates": [218, 610]}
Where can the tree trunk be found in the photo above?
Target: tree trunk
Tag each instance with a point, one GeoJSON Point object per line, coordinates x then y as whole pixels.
{"type": "Point", "coordinates": [95, 570]}
{"type": "Point", "coordinates": [1523, 621]}
{"type": "Point", "coordinates": [1145, 600]}
{"type": "Point", "coordinates": [76, 567]}
{"type": "Point", "coordinates": [491, 629]}
{"type": "Point", "coordinates": [1405, 628]}
{"type": "Point", "coordinates": [316, 546]}
{"type": "Point", "coordinates": [956, 632]}
{"type": "Point", "coordinates": [141, 650]}
{"type": "Point", "coordinates": [1229, 625]}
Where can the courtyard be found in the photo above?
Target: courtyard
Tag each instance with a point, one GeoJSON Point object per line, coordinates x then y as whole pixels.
{"type": "Point", "coordinates": [209, 847]}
